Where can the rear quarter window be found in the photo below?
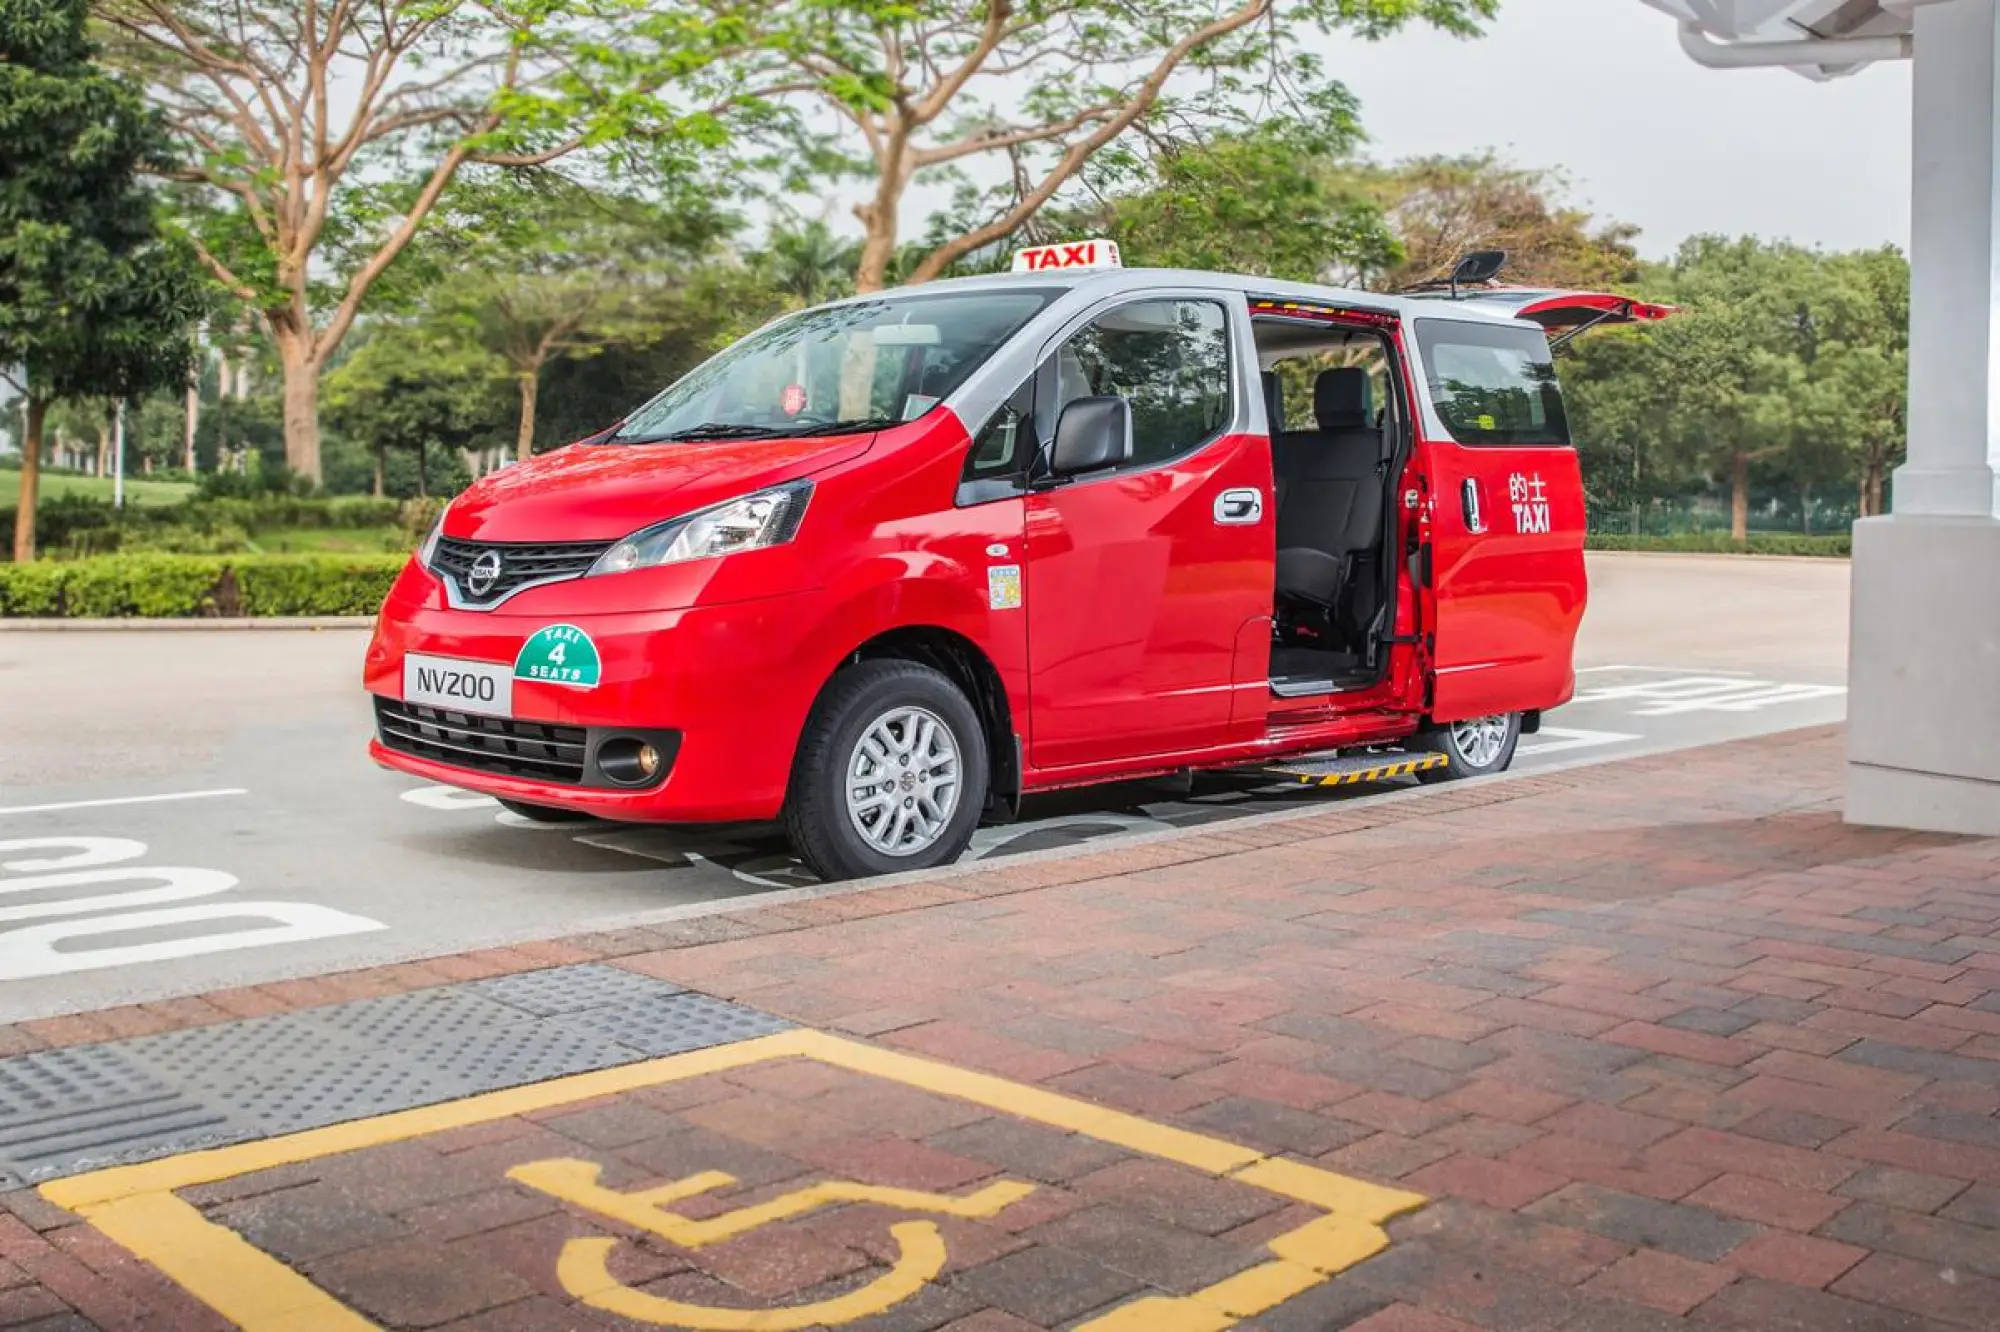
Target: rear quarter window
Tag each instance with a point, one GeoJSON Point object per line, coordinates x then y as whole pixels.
{"type": "Point", "coordinates": [1493, 384]}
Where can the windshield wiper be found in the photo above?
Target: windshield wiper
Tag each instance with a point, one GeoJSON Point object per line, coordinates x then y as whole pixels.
{"type": "Point", "coordinates": [706, 430]}
{"type": "Point", "coordinates": [852, 427]}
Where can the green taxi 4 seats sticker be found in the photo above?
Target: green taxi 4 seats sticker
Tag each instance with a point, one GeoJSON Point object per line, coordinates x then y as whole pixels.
{"type": "Point", "coordinates": [559, 654]}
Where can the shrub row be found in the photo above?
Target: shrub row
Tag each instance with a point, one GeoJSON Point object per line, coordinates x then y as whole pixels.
{"type": "Point", "coordinates": [1719, 543]}
{"type": "Point", "coordinates": [183, 586]}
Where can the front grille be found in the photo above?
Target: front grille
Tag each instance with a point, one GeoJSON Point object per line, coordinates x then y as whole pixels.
{"type": "Point", "coordinates": [485, 744]}
{"type": "Point", "coordinates": [520, 565]}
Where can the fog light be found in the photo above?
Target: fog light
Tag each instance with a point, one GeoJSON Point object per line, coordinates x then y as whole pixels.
{"type": "Point", "coordinates": [629, 762]}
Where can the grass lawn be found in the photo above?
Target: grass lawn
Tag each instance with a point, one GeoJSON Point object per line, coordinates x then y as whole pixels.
{"type": "Point", "coordinates": [138, 490]}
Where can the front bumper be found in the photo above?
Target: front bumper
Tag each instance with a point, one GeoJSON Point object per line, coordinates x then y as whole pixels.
{"type": "Point", "coordinates": [725, 688]}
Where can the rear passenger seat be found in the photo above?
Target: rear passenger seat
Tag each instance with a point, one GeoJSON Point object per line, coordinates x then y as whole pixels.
{"type": "Point", "coordinates": [1329, 493]}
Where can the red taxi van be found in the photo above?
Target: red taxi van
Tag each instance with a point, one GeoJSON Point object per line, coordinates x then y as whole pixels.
{"type": "Point", "coordinates": [886, 565]}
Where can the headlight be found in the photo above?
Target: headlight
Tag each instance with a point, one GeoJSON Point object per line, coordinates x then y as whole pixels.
{"type": "Point", "coordinates": [430, 544]}
{"type": "Point", "coordinates": [767, 518]}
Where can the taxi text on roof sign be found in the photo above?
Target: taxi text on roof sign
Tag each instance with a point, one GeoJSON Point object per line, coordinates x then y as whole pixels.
{"type": "Point", "coordinates": [1068, 254]}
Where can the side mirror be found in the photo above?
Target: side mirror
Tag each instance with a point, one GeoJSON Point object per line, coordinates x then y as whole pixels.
{"type": "Point", "coordinates": [1091, 435]}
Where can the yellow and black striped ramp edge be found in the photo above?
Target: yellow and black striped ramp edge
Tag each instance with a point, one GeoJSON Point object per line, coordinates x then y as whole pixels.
{"type": "Point", "coordinates": [1357, 768]}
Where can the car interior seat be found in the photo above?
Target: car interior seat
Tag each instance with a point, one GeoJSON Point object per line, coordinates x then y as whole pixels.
{"type": "Point", "coordinates": [1329, 491]}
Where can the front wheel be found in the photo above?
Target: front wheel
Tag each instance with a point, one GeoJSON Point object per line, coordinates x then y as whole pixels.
{"type": "Point", "coordinates": [891, 773]}
{"type": "Point", "coordinates": [1477, 747]}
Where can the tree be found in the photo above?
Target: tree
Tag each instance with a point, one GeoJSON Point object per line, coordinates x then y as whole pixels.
{"type": "Point", "coordinates": [94, 302]}
{"type": "Point", "coordinates": [920, 83]}
{"type": "Point", "coordinates": [319, 134]}
{"type": "Point", "coordinates": [1276, 199]}
{"type": "Point", "coordinates": [405, 389]}
{"type": "Point", "coordinates": [536, 269]}
{"type": "Point", "coordinates": [1442, 208]}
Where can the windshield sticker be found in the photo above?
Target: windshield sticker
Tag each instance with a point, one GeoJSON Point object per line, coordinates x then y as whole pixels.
{"type": "Point", "coordinates": [916, 405]}
{"type": "Point", "coordinates": [1003, 587]}
{"type": "Point", "coordinates": [794, 400]}
{"type": "Point", "coordinates": [560, 654]}
{"type": "Point", "coordinates": [1530, 498]}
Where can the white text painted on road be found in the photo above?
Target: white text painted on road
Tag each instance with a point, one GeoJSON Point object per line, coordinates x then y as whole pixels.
{"type": "Point", "coordinates": [80, 863]}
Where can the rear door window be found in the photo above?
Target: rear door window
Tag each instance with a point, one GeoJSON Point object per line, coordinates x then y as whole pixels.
{"type": "Point", "coordinates": [1492, 384]}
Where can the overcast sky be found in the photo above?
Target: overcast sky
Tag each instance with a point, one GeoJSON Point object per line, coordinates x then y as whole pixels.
{"type": "Point", "coordinates": [1601, 89]}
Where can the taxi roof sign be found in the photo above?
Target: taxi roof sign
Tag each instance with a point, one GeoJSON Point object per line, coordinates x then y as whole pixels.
{"type": "Point", "coordinates": [1094, 253]}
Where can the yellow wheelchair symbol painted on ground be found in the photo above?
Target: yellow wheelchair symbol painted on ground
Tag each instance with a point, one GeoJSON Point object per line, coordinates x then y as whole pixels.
{"type": "Point", "coordinates": [584, 1267]}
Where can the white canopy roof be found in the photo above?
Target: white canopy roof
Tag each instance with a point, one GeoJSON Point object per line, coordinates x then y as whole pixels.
{"type": "Point", "coordinates": [1820, 39]}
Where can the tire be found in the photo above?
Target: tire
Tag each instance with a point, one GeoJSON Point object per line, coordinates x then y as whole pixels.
{"type": "Point", "coordinates": [886, 702]}
{"type": "Point", "coordinates": [1468, 753]}
{"type": "Point", "coordinates": [545, 813]}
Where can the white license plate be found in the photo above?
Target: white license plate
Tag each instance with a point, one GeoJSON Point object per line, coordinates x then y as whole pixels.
{"type": "Point", "coordinates": [462, 686]}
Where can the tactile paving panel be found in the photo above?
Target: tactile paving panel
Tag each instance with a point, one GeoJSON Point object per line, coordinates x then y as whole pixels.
{"type": "Point", "coordinates": [65, 1111]}
{"type": "Point", "coordinates": [570, 989]}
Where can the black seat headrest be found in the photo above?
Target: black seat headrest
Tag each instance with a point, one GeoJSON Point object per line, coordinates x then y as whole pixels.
{"type": "Point", "coordinates": [1341, 399]}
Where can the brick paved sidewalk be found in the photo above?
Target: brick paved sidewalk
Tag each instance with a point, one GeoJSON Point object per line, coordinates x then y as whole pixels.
{"type": "Point", "coordinates": [1663, 1044]}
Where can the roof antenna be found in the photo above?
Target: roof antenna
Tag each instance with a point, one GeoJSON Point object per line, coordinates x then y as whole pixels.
{"type": "Point", "coordinates": [1480, 266]}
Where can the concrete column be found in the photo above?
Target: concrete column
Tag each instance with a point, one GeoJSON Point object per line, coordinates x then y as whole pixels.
{"type": "Point", "coordinates": [1924, 662]}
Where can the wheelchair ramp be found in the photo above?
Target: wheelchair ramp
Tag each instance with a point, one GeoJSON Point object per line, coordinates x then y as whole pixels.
{"type": "Point", "coordinates": [1353, 769]}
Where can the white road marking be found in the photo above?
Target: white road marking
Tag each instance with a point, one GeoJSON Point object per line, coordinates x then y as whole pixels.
{"type": "Point", "coordinates": [1659, 670]}
{"type": "Point", "coordinates": [1708, 693]}
{"type": "Point", "coordinates": [32, 952]}
{"type": "Point", "coordinates": [125, 800]}
{"type": "Point", "coordinates": [1556, 739]}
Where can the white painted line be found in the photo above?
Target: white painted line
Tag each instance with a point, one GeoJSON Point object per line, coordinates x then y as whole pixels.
{"type": "Point", "coordinates": [1555, 739]}
{"type": "Point", "coordinates": [125, 800]}
{"type": "Point", "coordinates": [1662, 670]}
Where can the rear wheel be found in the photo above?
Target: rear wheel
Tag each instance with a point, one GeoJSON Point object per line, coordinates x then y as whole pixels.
{"type": "Point", "coordinates": [545, 813]}
{"type": "Point", "coordinates": [891, 773]}
{"type": "Point", "coordinates": [1476, 747]}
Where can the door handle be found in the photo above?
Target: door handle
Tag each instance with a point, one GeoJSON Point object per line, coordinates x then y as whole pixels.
{"type": "Point", "coordinates": [1468, 495]}
{"type": "Point", "coordinates": [1238, 508]}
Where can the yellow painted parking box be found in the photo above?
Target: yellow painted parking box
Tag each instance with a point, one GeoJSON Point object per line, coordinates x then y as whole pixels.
{"type": "Point", "coordinates": [140, 1207]}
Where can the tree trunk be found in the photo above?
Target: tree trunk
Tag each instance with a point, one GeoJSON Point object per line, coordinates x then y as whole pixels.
{"type": "Point", "coordinates": [1805, 509]}
{"type": "Point", "coordinates": [1875, 479]}
{"type": "Point", "coordinates": [193, 419]}
{"type": "Point", "coordinates": [1739, 497]}
{"type": "Point", "coordinates": [301, 372]}
{"type": "Point", "coordinates": [31, 481]}
{"type": "Point", "coordinates": [103, 448]}
{"type": "Point", "coordinates": [524, 436]}
{"type": "Point", "coordinates": [422, 481]}
{"type": "Point", "coordinates": [1861, 493]}
{"type": "Point", "coordinates": [379, 449]}
{"type": "Point", "coordinates": [878, 221]}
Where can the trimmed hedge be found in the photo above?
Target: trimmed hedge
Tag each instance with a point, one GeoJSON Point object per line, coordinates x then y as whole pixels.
{"type": "Point", "coordinates": [1719, 543]}
{"type": "Point", "coordinates": [184, 586]}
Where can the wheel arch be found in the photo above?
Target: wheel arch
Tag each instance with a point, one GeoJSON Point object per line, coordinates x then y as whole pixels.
{"type": "Point", "coordinates": [967, 666]}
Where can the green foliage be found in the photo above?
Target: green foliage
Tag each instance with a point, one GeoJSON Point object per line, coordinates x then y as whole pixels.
{"type": "Point", "coordinates": [1720, 543]}
{"type": "Point", "coordinates": [181, 586]}
{"type": "Point", "coordinates": [1785, 369]}
{"type": "Point", "coordinates": [94, 301]}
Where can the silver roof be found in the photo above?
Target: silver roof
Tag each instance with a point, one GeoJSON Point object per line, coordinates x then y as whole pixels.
{"type": "Point", "coordinates": [1094, 284]}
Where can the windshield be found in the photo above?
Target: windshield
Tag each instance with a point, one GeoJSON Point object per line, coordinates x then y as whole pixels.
{"type": "Point", "coordinates": [865, 365]}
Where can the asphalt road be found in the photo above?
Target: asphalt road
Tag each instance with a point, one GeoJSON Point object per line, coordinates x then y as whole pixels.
{"type": "Point", "coordinates": [186, 810]}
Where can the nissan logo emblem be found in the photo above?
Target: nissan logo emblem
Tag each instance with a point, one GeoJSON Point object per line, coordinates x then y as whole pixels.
{"type": "Point", "coordinates": [483, 574]}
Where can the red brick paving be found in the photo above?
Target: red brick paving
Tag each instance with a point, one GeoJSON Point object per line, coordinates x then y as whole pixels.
{"type": "Point", "coordinates": [1666, 1043]}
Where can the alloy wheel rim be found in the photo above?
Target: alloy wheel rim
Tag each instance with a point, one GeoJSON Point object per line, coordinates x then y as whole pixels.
{"type": "Point", "coordinates": [903, 781]}
{"type": "Point", "coordinates": [1480, 741]}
